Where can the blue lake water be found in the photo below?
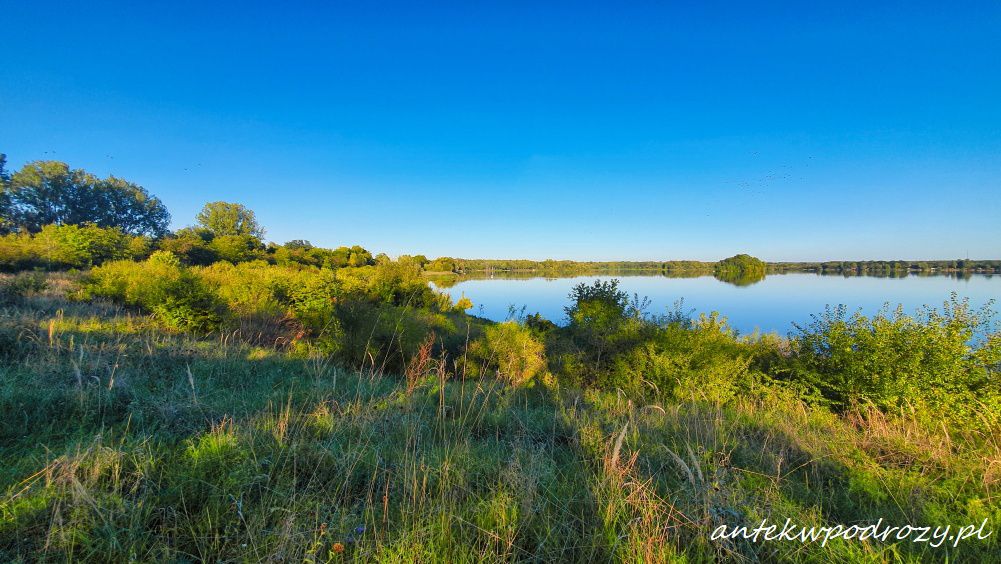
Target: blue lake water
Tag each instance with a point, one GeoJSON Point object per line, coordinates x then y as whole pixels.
{"type": "Point", "coordinates": [771, 305]}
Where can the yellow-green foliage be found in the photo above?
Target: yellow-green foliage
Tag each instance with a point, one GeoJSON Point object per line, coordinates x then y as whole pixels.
{"type": "Point", "coordinates": [397, 283]}
{"type": "Point", "coordinates": [463, 303]}
{"type": "Point", "coordinates": [939, 361]}
{"type": "Point", "coordinates": [701, 361]}
{"type": "Point", "coordinates": [375, 315]}
{"type": "Point", "coordinates": [301, 252]}
{"type": "Point", "coordinates": [512, 350]}
{"type": "Point", "coordinates": [162, 286]}
{"type": "Point", "coordinates": [235, 248]}
{"type": "Point", "coordinates": [278, 295]}
{"type": "Point", "coordinates": [257, 287]}
{"type": "Point", "coordinates": [939, 364]}
{"type": "Point", "coordinates": [69, 246]}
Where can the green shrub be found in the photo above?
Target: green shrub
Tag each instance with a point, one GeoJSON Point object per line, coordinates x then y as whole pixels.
{"type": "Point", "coordinates": [188, 306]}
{"type": "Point", "coordinates": [257, 287]}
{"type": "Point", "coordinates": [19, 252]}
{"type": "Point", "coordinates": [69, 246]}
{"type": "Point", "coordinates": [603, 323]}
{"type": "Point", "coordinates": [701, 361]}
{"type": "Point", "coordinates": [236, 248]}
{"type": "Point", "coordinates": [162, 286]}
{"type": "Point", "coordinates": [939, 359]}
{"type": "Point", "coordinates": [191, 245]}
{"type": "Point", "coordinates": [286, 296]}
{"type": "Point", "coordinates": [512, 350]}
{"type": "Point", "coordinates": [396, 283]}
{"type": "Point", "coordinates": [385, 337]}
{"type": "Point", "coordinates": [609, 343]}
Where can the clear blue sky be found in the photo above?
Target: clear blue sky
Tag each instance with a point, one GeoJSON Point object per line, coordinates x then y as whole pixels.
{"type": "Point", "coordinates": [510, 130]}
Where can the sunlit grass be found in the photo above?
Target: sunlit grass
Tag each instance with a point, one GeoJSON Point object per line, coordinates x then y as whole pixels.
{"type": "Point", "coordinates": [121, 441]}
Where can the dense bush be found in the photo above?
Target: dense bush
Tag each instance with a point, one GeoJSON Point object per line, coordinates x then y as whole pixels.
{"type": "Point", "coordinates": [197, 246]}
{"type": "Point", "coordinates": [384, 337]}
{"type": "Point", "coordinates": [162, 286]}
{"type": "Point", "coordinates": [946, 361]}
{"type": "Point", "coordinates": [704, 361]}
{"type": "Point", "coordinates": [303, 252]}
{"type": "Point", "coordinates": [191, 246]}
{"type": "Point", "coordinates": [257, 287]}
{"type": "Point", "coordinates": [602, 324]}
{"type": "Point", "coordinates": [396, 283]}
{"type": "Point", "coordinates": [939, 363]}
{"type": "Point", "coordinates": [373, 315]}
{"type": "Point", "coordinates": [511, 349]}
{"type": "Point", "coordinates": [289, 302]}
{"type": "Point", "coordinates": [236, 248]}
{"type": "Point", "coordinates": [69, 246]}
{"type": "Point", "coordinates": [609, 343]}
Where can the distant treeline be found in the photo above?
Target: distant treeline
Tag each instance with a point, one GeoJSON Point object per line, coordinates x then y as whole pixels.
{"type": "Point", "coordinates": [54, 217]}
{"type": "Point", "coordinates": [459, 265]}
{"type": "Point", "coordinates": [888, 267]}
{"type": "Point", "coordinates": [874, 267]}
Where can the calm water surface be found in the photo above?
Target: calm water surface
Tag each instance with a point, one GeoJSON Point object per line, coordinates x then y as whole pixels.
{"type": "Point", "coordinates": [771, 305]}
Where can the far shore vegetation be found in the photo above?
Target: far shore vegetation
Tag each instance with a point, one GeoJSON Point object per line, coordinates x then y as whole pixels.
{"type": "Point", "coordinates": [202, 395]}
{"type": "Point", "coordinates": [53, 217]}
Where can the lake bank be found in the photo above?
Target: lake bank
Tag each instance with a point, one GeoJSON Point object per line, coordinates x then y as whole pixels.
{"type": "Point", "coordinates": [770, 305]}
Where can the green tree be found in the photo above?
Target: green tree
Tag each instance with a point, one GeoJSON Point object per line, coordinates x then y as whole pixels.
{"type": "Point", "coordinates": [236, 248]}
{"type": "Point", "coordinates": [597, 309]}
{"type": "Point", "coordinates": [227, 219]}
{"type": "Point", "coordinates": [298, 244]}
{"type": "Point", "coordinates": [192, 245]}
{"type": "Point", "coordinates": [512, 350]}
{"type": "Point", "coordinates": [50, 192]}
{"type": "Point", "coordinates": [742, 270]}
{"type": "Point", "coordinates": [441, 264]}
{"type": "Point", "coordinates": [602, 320]}
{"type": "Point", "coordinates": [82, 246]}
{"type": "Point", "coordinates": [359, 257]}
{"type": "Point", "coordinates": [5, 225]}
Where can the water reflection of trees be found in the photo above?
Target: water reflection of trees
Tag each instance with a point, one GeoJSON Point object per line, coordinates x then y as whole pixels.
{"type": "Point", "coordinates": [448, 280]}
{"type": "Point", "coordinates": [745, 278]}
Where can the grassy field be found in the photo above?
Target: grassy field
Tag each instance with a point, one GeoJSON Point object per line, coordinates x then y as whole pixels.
{"type": "Point", "coordinates": [123, 441]}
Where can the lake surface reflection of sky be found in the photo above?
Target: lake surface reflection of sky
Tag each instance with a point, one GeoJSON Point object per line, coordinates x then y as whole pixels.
{"type": "Point", "coordinates": [771, 305]}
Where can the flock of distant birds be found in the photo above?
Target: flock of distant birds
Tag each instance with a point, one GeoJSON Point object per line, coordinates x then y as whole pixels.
{"type": "Point", "coordinates": [756, 187]}
{"type": "Point", "coordinates": [112, 157]}
{"type": "Point", "coordinates": [766, 180]}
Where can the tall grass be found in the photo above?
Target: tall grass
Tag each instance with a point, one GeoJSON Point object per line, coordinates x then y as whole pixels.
{"type": "Point", "coordinates": [121, 440]}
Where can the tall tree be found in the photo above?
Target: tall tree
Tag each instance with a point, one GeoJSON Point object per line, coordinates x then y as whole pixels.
{"type": "Point", "coordinates": [49, 192]}
{"type": "Point", "coordinates": [5, 225]}
{"type": "Point", "coordinates": [225, 218]}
